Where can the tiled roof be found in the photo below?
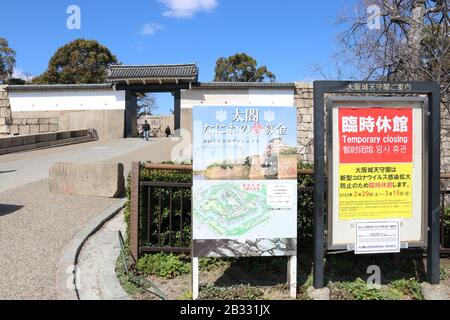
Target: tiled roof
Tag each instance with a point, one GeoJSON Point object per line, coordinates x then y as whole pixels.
{"type": "Point", "coordinates": [245, 85]}
{"type": "Point", "coordinates": [56, 87]}
{"type": "Point", "coordinates": [179, 72]}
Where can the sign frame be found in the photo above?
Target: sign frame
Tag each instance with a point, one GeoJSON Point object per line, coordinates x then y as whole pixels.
{"type": "Point", "coordinates": [429, 88]}
{"type": "Point", "coordinates": [362, 102]}
{"type": "Point", "coordinates": [291, 246]}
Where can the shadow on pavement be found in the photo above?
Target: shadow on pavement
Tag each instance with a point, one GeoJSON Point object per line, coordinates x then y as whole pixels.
{"type": "Point", "coordinates": [9, 171]}
{"type": "Point", "coordinates": [6, 209]}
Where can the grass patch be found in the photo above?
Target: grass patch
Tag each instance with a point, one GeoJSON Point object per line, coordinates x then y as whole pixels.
{"type": "Point", "coordinates": [359, 290]}
{"type": "Point", "coordinates": [237, 292]}
{"type": "Point", "coordinates": [162, 265]}
{"type": "Point", "coordinates": [410, 288]}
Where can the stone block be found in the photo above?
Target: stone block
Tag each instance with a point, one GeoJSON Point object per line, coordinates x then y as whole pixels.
{"type": "Point", "coordinates": [24, 130]}
{"type": "Point", "coordinates": [43, 121]}
{"type": "Point", "coordinates": [54, 121]}
{"type": "Point", "coordinates": [5, 121]}
{"type": "Point", "coordinates": [32, 121]}
{"type": "Point", "coordinates": [4, 103]}
{"type": "Point", "coordinates": [43, 128]}
{"type": "Point", "coordinates": [79, 133]}
{"type": "Point", "coordinates": [63, 135]}
{"type": "Point", "coordinates": [16, 141]}
{"type": "Point", "coordinates": [318, 294]}
{"type": "Point", "coordinates": [4, 129]}
{"type": "Point", "coordinates": [306, 118]}
{"type": "Point", "coordinates": [4, 142]}
{"type": "Point", "coordinates": [45, 137]}
{"type": "Point", "coordinates": [434, 292]}
{"type": "Point", "coordinates": [34, 128]}
{"type": "Point", "coordinates": [87, 179]}
{"type": "Point", "coordinates": [5, 112]}
{"type": "Point", "coordinates": [52, 127]}
{"type": "Point", "coordinates": [29, 139]}
{"type": "Point", "coordinates": [3, 95]}
{"type": "Point", "coordinates": [14, 129]}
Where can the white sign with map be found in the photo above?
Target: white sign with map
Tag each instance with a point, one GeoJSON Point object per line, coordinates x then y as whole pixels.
{"type": "Point", "coordinates": [245, 210]}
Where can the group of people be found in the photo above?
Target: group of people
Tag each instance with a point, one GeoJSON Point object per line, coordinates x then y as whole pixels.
{"type": "Point", "coordinates": [144, 131]}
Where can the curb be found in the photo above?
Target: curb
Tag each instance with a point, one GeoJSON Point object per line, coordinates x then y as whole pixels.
{"type": "Point", "coordinates": [67, 266]}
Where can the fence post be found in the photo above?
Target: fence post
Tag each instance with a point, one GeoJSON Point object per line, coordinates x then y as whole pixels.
{"type": "Point", "coordinates": [134, 211]}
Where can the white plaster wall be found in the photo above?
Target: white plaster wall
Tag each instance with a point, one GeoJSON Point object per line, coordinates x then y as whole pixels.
{"type": "Point", "coordinates": [66, 100]}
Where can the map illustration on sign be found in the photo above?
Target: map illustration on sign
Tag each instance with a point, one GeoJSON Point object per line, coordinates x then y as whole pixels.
{"type": "Point", "coordinates": [244, 209]}
{"type": "Point", "coordinates": [230, 211]}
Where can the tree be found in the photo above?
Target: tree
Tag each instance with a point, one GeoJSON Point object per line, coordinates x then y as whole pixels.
{"type": "Point", "coordinates": [241, 68]}
{"type": "Point", "coordinates": [146, 104]}
{"type": "Point", "coordinates": [15, 81]}
{"type": "Point", "coordinates": [411, 43]}
{"type": "Point", "coordinates": [7, 60]}
{"type": "Point", "coordinates": [80, 61]}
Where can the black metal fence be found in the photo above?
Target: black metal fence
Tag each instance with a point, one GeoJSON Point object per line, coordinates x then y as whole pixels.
{"type": "Point", "coordinates": [161, 213]}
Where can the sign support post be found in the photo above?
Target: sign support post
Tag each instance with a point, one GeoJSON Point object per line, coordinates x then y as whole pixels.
{"type": "Point", "coordinates": [431, 89]}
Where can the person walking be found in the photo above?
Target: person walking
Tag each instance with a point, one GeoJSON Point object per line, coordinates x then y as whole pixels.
{"type": "Point", "coordinates": [168, 132]}
{"type": "Point", "coordinates": [146, 128]}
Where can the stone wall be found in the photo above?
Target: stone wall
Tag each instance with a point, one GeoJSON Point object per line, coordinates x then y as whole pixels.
{"type": "Point", "coordinates": [303, 100]}
{"type": "Point", "coordinates": [12, 125]}
{"type": "Point", "coordinates": [5, 113]}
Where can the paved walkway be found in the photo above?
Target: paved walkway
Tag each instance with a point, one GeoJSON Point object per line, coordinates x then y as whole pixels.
{"type": "Point", "coordinates": [97, 261]}
{"type": "Point", "coordinates": [36, 225]}
{"type": "Point", "coordinates": [21, 168]}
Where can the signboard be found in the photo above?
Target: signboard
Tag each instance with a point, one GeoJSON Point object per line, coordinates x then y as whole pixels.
{"type": "Point", "coordinates": [377, 171]}
{"type": "Point", "coordinates": [245, 181]}
{"type": "Point", "coordinates": [377, 237]}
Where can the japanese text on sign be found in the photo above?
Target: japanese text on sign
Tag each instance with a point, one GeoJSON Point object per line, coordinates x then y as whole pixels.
{"type": "Point", "coordinates": [375, 135]}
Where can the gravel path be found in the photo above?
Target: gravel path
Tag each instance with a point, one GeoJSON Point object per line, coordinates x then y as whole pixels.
{"type": "Point", "coordinates": [35, 225]}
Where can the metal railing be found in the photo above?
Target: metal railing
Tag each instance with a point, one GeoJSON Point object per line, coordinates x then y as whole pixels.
{"type": "Point", "coordinates": [160, 213]}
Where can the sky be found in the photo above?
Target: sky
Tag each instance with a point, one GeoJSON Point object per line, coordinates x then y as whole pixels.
{"type": "Point", "coordinates": [288, 36]}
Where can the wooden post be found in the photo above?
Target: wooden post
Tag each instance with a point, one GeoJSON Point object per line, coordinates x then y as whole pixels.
{"type": "Point", "coordinates": [292, 276]}
{"type": "Point", "coordinates": [134, 211]}
{"type": "Point", "coordinates": [195, 278]}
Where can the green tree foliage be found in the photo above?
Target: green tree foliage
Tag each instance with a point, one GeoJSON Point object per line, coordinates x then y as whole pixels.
{"type": "Point", "coordinates": [80, 61]}
{"type": "Point", "coordinates": [7, 60]}
{"type": "Point", "coordinates": [241, 68]}
{"type": "Point", "coordinates": [15, 81]}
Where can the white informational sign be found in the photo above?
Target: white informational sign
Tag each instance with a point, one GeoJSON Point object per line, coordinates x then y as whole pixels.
{"type": "Point", "coordinates": [377, 237]}
{"type": "Point", "coordinates": [376, 167]}
{"type": "Point", "coordinates": [245, 181]}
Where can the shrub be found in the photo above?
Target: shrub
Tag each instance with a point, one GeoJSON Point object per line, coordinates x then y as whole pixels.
{"type": "Point", "coordinates": [163, 265]}
{"type": "Point", "coordinates": [359, 290]}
